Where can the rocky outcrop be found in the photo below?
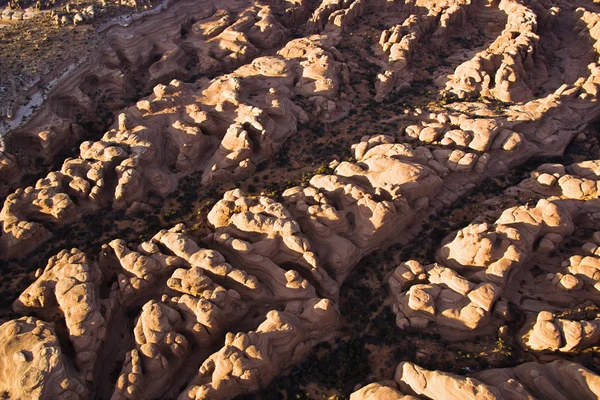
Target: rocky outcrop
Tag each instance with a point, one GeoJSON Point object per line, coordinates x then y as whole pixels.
{"type": "Point", "coordinates": [34, 366]}
{"type": "Point", "coordinates": [136, 271]}
{"type": "Point", "coordinates": [69, 288]}
{"type": "Point", "coordinates": [249, 360]}
{"type": "Point", "coordinates": [159, 352]}
{"type": "Point", "coordinates": [558, 379]}
{"type": "Point", "coordinates": [378, 391]}
{"type": "Point", "coordinates": [201, 311]}
{"type": "Point", "coordinates": [262, 230]}
{"type": "Point", "coordinates": [145, 320]}
{"type": "Point", "coordinates": [297, 254]}
{"type": "Point", "coordinates": [493, 252]}
{"type": "Point", "coordinates": [195, 40]}
{"type": "Point", "coordinates": [411, 378]}
{"type": "Point", "coordinates": [477, 266]}
{"type": "Point", "coordinates": [190, 311]}
{"type": "Point", "coordinates": [223, 127]}
{"type": "Point", "coordinates": [335, 15]}
{"type": "Point", "coordinates": [506, 69]}
{"type": "Point", "coordinates": [398, 44]}
{"type": "Point", "coordinates": [438, 294]}
{"type": "Point", "coordinates": [550, 333]}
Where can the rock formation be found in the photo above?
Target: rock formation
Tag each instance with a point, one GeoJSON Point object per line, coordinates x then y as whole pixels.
{"type": "Point", "coordinates": [378, 391]}
{"type": "Point", "coordinates": [34, 365]}
{"type": "Point", "coordinates": [249, 360]}
{"type": "Point", "coordinates": [558, 379]}
{"type": "Point", "coordinates": [399, 43]}
{"type": "Point", "coordinates": [191, 311]}
{"type": "Point", "coordinates": [476, 267]}
{"type": "Point", "coordinates": [507, 69]}
{"type": "Point", "coordinates": [223, 127]}
{"type": "Point", "coordinates": [549, 333]}
{"type": "Point", "coordinates": [68, 288]}
{"type": "Point", "coordinates": [219, 91]}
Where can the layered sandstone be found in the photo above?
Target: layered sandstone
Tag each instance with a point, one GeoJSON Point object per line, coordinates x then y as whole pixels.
{"type": "Point", "coordinates": [467, 289]}
{"type": "Point", "coordinates": [219, 312]}
{"type": "Point", "coordinates": [558, 379]}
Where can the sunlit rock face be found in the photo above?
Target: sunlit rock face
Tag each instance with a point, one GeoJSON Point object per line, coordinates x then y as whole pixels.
{"type": "Point", "coordinates": [225, 91]}
{"type": "Point", "coordinates": [527, 381]}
